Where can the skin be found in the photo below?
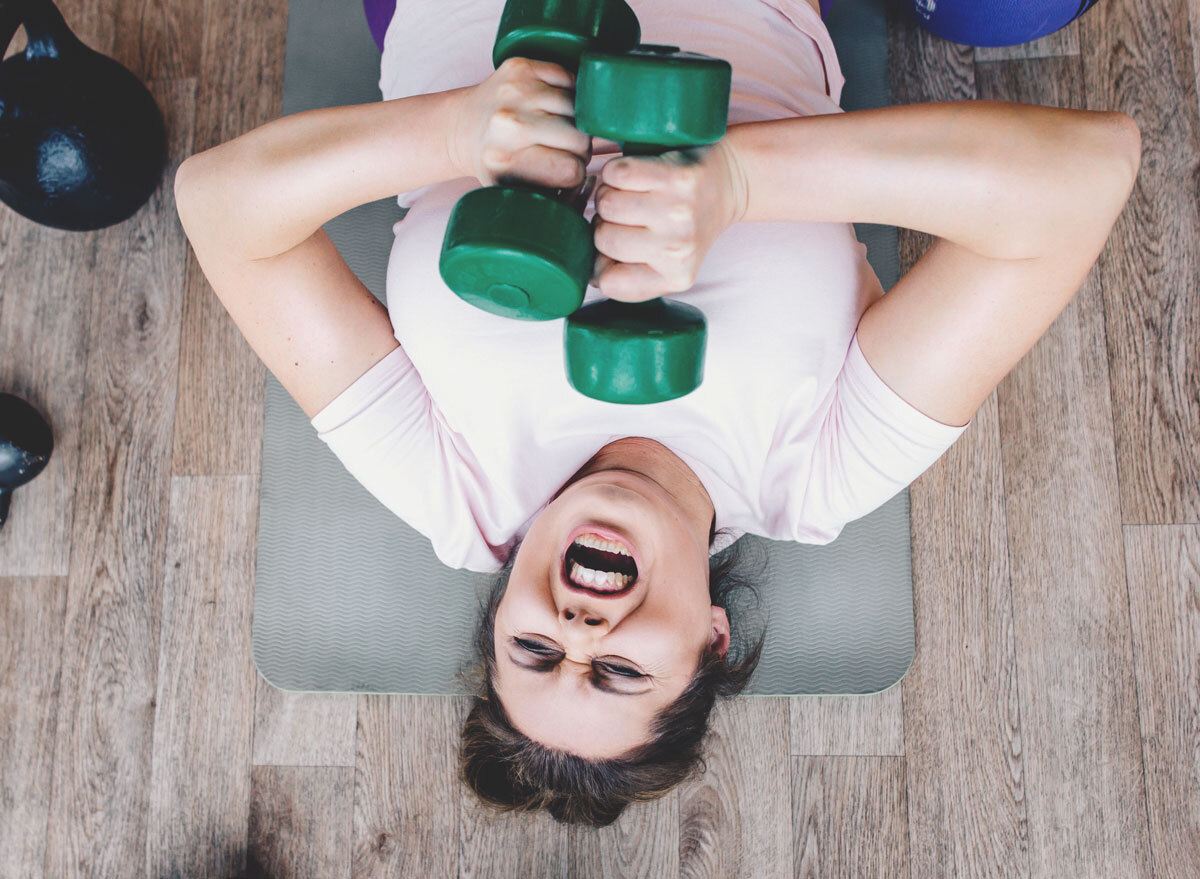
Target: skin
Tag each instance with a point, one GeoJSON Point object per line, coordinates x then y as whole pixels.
{"type": "Point", "coordinates": [641, 489]}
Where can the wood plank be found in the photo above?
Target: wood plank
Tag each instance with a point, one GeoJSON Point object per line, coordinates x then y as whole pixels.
{"type": "Point", "coordinates": [850, 817]}
{"type": "Point", "coordinates": [157, 40]}
{"type": "Point", "coordinates": [45, 276]}
{"type": "Point", "coordinates": [98, 815]}
{"type": "Point", "coordinates": [642, 844]}
{"type": "Point", "coordinates": [220, 377]}
{"type": "Point", "coordinates": [493, 843]}
{"type": "Point", "coordinates": [200, 786]}
{"type": "Point", "coordinates": [31, 613]}
{"type": "Point", "coordinates": [735, 819]}
{"type": "Point", "coordinates": [303, 729]}
{"type": "Point", "coordinates": [962, 726]}
{"type": "Point", "coordinates": [1138, 58]}
{"type": "Point", "coordinates": [300, 822]}
{"type": "Point", "coordinates": [1064, 41]}
{"type": "Point", "coordinates": [1070, 605]}
{"type": "Point", "coordinates": [406, 791]}
{"type": "Point", "coordinates": [864, 725]}
{"type": "Point", "coordinates": [1163, 566]}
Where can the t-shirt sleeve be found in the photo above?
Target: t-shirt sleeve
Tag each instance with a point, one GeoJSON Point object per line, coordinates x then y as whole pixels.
{"type": "Point", "coordinates": [871, 445]}
{"type": "Point", "coordinates": [386, 430]}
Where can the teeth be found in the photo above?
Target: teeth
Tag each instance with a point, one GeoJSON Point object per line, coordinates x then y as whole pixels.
{"type": "Point", "coordinates": [607, 581]}
{"type": "Point", "coordinates": [595, 542]}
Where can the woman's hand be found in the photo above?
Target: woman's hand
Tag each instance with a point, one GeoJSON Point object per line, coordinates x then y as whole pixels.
{"type": "Point", "coordinates": [519, 125]}
{"type": "Point", "coordinates": [656, 219]}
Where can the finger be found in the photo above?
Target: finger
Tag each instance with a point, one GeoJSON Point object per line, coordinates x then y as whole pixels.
{"type": "Point", "coordinates": [626, 243]}
{"type": "Point", "coordinates": [600, 267]}
{"type": "Point", "coordinates": [627, 208]}
{"type": "Point", "coordinates": [560, 134]}
{"type": "Point", "coordinates": [547, 71]}
{"type": "Point", "coordinates": [543, 166]}
{"type": "Point", "coordinates": [550, 99]}
{"type": "Point", "coordinates": [636, 174]}
{"type": "Point", "coordinates": [631, 282]}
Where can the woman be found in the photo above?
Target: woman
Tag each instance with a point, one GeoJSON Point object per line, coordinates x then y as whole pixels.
{"type": "Point", "coordinates": [607, 637]}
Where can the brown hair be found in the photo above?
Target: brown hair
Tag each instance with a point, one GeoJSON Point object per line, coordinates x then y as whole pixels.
{"type": "Point", "coordinates": [510, 771]}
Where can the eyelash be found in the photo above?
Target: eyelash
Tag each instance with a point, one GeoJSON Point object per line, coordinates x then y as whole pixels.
{"type": "Point", "coordinates": [541, 650]}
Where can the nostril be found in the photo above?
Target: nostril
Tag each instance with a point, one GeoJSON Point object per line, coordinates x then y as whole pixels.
{"type": "Point", "coordinates": [568, 615]}
{"type": "Point", "coordinates": [592, 622]}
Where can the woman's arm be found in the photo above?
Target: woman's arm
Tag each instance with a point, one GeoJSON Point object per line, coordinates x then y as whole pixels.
{"type": "Point", "coordinates": [1022, 198]}
{"type": "Point", "coordinates": [1004, 180]}
{"type": "Point", "coordinates": [253, 208]}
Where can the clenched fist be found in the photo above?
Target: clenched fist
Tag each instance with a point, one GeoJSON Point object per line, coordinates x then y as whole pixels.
{"type": "Point", "coordinates": [656, 218]}
{"type": "Point", "coordinates": [518, 126]}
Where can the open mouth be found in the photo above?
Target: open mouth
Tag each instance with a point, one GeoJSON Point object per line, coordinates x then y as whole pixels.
{"type": "Point", "coordinates": [599, 567]}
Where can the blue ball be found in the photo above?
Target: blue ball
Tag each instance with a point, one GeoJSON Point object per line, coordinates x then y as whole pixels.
{"type": "Point", "coordinates": [996, 22]}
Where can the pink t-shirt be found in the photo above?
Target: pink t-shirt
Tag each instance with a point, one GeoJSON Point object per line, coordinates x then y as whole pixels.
{"type": "Point", "coordinates": [469, 428]}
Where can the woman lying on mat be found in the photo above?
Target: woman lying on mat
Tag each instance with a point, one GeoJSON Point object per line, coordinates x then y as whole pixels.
{"type": "Point", "coordinates": [822, 397]}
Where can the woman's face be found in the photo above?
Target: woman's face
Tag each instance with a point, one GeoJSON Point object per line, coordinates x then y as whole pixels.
{"type": "Point", "coordinates": [586, 670]}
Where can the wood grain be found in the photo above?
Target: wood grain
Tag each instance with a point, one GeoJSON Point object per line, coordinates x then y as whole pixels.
{"type": "Point", "coordinates": [1070, 605]}
{"type": "Point", "coordinates": [1064, 41]}
{"type": "Point", "coordinates": [200, 788]}
{"type": "Point", "coordinates": [1138, 59]}
{"type": "Point", "coordinates": [642, 844]}
{"type": "Point", "coordinates": [829, 725]}
{"type": "Point", "coordinates": [101, 783]}
{"type": "Point", "coordinates": [1163, 565]}
{"type": "Point", "coordinates": [735, 819]}
{"type": "Point", "coordinates": [493, 843]}
{"type": "Point", "coordinates": [962, 726]}
{"type": "Point", "coordinates": [300, 822]}
{"type": "Point", "coordinates": [45, 276]}
{"type": "Point", "coordinates": [850, 817]}
{"type": "Point", "coordinates": [218, 426]}
{"type": "Point", "coordinates": [31, 611]}
{"type": "Point", "coordinates": [406, 790]}
{"type": "Point", "coordinates": [303, 729]}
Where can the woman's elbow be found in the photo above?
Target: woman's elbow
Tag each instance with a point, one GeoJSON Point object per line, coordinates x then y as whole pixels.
{"type": "Point", "coordinates": [1126, 147]}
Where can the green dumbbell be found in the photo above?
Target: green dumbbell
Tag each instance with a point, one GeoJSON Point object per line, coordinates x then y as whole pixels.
{"type": "Point", "coordinates": [522, 251]}
{"type": "Point", "coordinates": [650, 100]}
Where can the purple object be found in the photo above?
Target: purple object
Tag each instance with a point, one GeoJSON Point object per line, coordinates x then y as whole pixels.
{"type": "Point", "coordinates": [826, 5]}
{"type": "Point", "coordinates": [379, 16]}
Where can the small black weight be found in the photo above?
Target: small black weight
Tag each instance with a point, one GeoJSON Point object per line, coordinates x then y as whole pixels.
{"type": "Point", "coordinates": [82, 142]}
{"type": "Point", "coordinates": [25, 446]}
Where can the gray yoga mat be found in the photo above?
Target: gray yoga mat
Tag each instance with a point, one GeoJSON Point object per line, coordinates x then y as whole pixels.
{"type": "Point", "coordinates": [348, 598]}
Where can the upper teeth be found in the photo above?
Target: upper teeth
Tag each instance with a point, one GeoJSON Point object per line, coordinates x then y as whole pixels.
{"type": "Point", "coordinates": [591, 540]}
{"type": "Point", "coordinates": [582, 576]}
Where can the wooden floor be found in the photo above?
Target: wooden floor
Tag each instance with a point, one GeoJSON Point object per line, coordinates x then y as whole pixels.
{"type": "Point", "coordinates": [1049, 727]}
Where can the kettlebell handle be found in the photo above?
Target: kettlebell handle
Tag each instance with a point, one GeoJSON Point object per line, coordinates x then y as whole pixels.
{"type": "Point", "coordinates": [45, 27]}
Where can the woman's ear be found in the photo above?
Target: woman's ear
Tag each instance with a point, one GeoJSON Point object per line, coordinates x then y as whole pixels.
{"type": "Point", "coordinates": [720, 631]}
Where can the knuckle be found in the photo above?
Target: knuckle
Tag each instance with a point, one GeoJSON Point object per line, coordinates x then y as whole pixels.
{"type": "Point", "coordinates": [517, 65]}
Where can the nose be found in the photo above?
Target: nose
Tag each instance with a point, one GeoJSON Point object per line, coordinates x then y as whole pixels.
{"type": "Point", "coordinates": [586, 616]}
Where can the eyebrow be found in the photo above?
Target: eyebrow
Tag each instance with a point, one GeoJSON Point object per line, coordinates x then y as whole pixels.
{"type": "Point", "coordinates": [597, 682]}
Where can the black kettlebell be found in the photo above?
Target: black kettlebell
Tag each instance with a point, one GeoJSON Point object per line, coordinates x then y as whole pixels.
{"type": "Point", "coordinates": [82, 142]}
{"type": "Point", "coordinates": [25, 447]}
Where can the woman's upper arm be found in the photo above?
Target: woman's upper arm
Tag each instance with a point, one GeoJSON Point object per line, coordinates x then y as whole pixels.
{"type": "Point", "coordinates": [313, 323]}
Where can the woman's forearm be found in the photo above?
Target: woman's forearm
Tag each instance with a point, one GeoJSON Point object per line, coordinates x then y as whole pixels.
{"type": "Point", "coordinates": [1008, 181]}
{"type": "Point", "coordinates": [270, 189]}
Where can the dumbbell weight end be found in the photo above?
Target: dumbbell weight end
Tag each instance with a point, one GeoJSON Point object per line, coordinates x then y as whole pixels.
{"type": "Point", "coordinates": [517, 253]}
{"type": "Point", "coordinates": [635, 353]}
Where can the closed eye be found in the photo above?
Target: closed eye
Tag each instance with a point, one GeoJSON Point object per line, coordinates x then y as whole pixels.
{"type": "Point", "coordinates": [620, 670]}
